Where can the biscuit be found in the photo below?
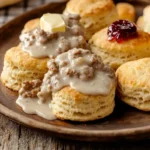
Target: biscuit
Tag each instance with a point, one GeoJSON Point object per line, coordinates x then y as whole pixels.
{"type": "Point", "coordinates": [134, 84]}
{"type": "Point", "coordinates": [81, 87]}
{"type": "Point", "coordinates": [146, 16]}
{"type": "Point", "coordinates": [32, 24]}
{"type": "Point", "coordinates": [115, 54]}
{"type": "Point", "coordinates": [42, 43]}
{"type": "Point", "coordinates": [95, 15]}
{"type": "Point", "coordinates": [126, 11]}
{"type": "Point", "coordinates": [140, 22]}
{"type": "Point", "coordinates": [68, 104]}
{"type": "Point", "coordinates": [19, 66]}
{"type": "Point", "coordinates": [143, 21]}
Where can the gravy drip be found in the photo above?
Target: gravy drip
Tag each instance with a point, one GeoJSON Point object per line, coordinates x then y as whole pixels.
{"type": "Point", "coordinates": [32, 106]}
{"type": "Point", "coordinates": [79, 69]}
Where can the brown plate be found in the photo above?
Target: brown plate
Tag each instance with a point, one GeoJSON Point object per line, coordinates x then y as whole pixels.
{"type": "Point", "coordinates": [124, 123]}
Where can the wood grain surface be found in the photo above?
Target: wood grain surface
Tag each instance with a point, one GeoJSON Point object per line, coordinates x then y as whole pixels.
{"type": "Point", "coordinates": [17, 137]}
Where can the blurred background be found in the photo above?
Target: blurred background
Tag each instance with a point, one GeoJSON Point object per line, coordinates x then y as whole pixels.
{"type": "Point", "coordinates": [12, 8]}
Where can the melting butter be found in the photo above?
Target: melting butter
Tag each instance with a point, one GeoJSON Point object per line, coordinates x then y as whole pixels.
{"type": "Point", "coordinates": [52, 23]}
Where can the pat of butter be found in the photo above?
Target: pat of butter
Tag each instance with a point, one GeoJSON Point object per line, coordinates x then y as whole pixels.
{"type": "Point", "coordinates": [52, 23]}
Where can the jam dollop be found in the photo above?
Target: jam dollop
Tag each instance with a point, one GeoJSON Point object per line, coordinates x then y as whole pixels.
{"type": "Point", "coordinates": [121, 30]}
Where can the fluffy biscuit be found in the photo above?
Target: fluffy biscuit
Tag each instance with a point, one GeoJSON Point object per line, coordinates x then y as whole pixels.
{"type": "Point", "coordinates": [68, 104]}
{"type": "Point", "coordinates": [140, 22]}
{"type": "Point", "coordinates": [95, 14]}
{"type": "Point", "coordinates": [19, 66]}
{"type": "Point", "coordinates": [134, 84]}
{"type": "Point", "coordinates": [143, 21]}
{"type": "Point", "coordinates": [32, 24]}
{"type": "Point", "coordinates": [115, 54]}
{"type": "Point", "coordinates": [146, 16]}
{"type": "Point", "coordinates": [126, 11]}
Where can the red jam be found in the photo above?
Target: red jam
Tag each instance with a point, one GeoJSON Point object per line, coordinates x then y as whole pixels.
{"type": "Point", "coordinates": [121, 30]}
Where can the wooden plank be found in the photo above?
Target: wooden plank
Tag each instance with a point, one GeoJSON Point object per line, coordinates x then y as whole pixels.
{"type": "Point", "coordinates": [8, 134]}
{"type": "Point", "coordinates": [16, 137]}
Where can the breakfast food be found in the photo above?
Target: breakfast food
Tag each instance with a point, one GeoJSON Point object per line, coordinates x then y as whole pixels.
{"type": "Point", "coordinates": [19, 67]}
{"type": "Point", "coordinates": [146, 16]}
{"type": "Point", "coordinates": [126, 11]}
{"type": "Point", "coordinates": [4, 3]}
{"type": "Point", "coordinates": [77, 86]}
{"type": "Point", "coordinates": [74, 78]}
{"type": "Point", "coordinates": [39, 43]}
{"type": "Point", "coordinates": [120, 43]}
{"type": "Point", "coordinates": [140, 22]}
{"type": "Point", "coordinates": [49, 24]}
{"type": "Point", "coordinates": [57, 73]}
{"type": "Point", "coordinates": [28, 60]}
{"type": "Point", "coordinates": [30, 25]}
{"type": "Point", "coordinates": [143, 21]}
{"type": "Point", "coordinates": [133, 83]}
{"type": "Point", "coordinates": [80, 107]}
{"type": "Point", "coordinates": [95, 14]}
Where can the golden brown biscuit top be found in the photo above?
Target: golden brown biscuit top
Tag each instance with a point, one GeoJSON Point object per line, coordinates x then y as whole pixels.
{"type": "Point", "coordinates": [126, 11]}
{"type": "Point", "coordinates": [126, 7]}
{"type": "Point", "coordinates": [18, 58]}
{"type": "Point", "coordinates": [32, 24]}
{"type": "Point", "coordinates": [135, 73]}
{"type": "Point", "coordinates": [138, 44]}
{"type": "Point", "coordinates": [88, 7]}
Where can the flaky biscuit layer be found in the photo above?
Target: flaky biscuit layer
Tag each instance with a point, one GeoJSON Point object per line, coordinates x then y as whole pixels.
{"type": "Point", "coordinates": [95, 14]}
{"type": "Point", "coordinates": [115, 54]}
{"type": "Point", "coordinates": [19, 66]}
{"type": "Point", "coordinates": [68, 104]}
{"type": "Point", "coordinates": [134, 84]}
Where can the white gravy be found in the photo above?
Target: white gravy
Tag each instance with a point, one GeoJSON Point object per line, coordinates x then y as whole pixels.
{"type": "Point", "coordinates": [32, 106]}
{"type": "Point", "coordinates": [71, 38]}
{"type": "Point", "coordinates": [41, 51]}
{"type": "Point", "coordinates": [89, 81]}
{"type": "Point", "coordinates": [99, 84]}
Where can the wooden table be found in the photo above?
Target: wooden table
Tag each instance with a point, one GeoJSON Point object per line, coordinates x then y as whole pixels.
{"type": "Point", "coordinates": [17, 137]}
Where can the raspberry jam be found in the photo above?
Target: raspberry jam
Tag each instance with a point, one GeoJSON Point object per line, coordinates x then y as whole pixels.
{"type": "Point", "coordinates": [121, 30]}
